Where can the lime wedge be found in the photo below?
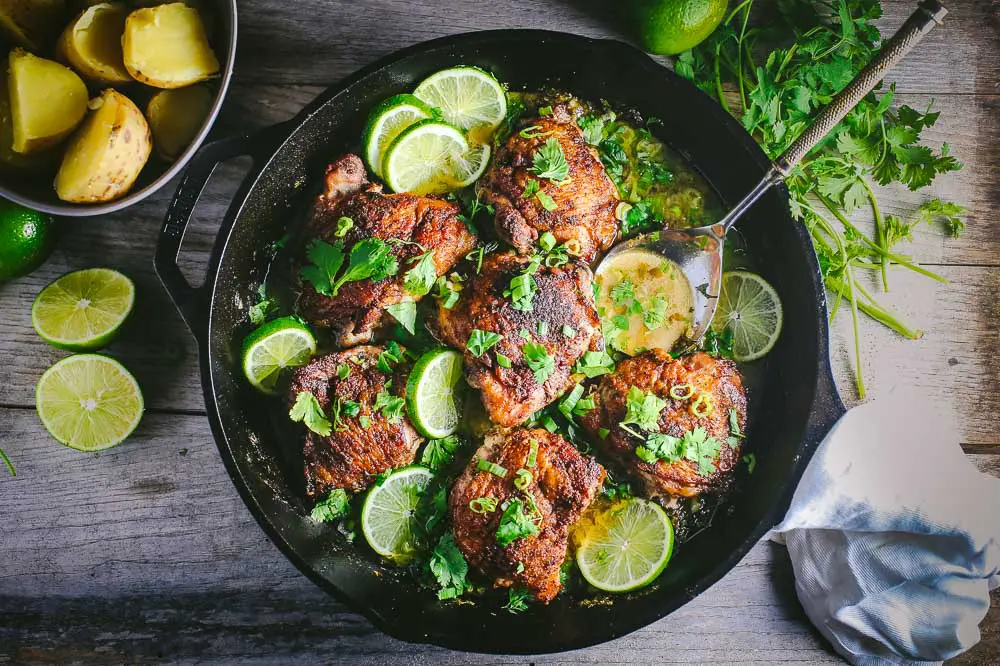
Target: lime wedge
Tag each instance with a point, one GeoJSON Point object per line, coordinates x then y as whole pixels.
{"type": "Point", "coordinates": [386, 122]}
{"type": "Point", "coordinates": [421, 158]}
{"type": "Point", "coordinates": [466, 169]}
{"type": "Point", "coordinates": [88, 402]}
{"type": "Point", "coordinates": [751, 309]}
{"type": "Point", "coordinates": [83, 310]}
{"type": "Point", "coordinates": [275, 346]}
{"type": "Point", "coordinates": [467, 97]}
{"type": "Point", "coordinates": [432, 399]}
{"type": "Point", "coordinates": [628, 547]}
{"type": "Point", "coordinates": [388, 515]}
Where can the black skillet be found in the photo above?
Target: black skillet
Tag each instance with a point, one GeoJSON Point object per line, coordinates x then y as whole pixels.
{"type": "Point", "coordinates": [795, 401]}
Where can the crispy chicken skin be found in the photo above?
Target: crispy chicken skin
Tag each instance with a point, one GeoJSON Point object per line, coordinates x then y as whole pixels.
{"type": "Point", "coordinates": [358, 309]}
{"type": "Point", "coordinates": [584, 205]}
{"type": "Point", "coordinates": [564, 483]}
{"type": "Point", "coordinates": [656, 372]}
{"type": "Point", "coordinates": [564, 299]}
{"type": "Point", "coordinates": [351, 456]}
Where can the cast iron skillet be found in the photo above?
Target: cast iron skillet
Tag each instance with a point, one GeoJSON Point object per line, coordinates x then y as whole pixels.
{"type": "Point", "coordinates": [792, 412]}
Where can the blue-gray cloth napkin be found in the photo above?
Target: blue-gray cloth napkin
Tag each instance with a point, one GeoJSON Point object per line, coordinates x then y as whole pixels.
{"type": "Point", "coordinates": [894, 536]}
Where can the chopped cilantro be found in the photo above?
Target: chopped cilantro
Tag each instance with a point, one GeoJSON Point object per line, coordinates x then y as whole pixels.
{"type": "Point", "coordinates": [439, 452]}
{"type": "Point", "coordinates": [369, 259]}
{"type": "Point", "coordinates": [655, 314]}
{"type": "Point", "coordinates": [449, 568]}
{"type": "Point", "coordinates": [549, 161]}
{"type": "Point", "coordinates": [390, 405]}
{"type": "Point", "coordinates": [623, 293]}
{"type": "Point", "coordinates": [517, 599]}
{"type": "Point", "coordinates": [307, 410]}
{"type": "Point", "coordinates": [539, 360]}
{"type": "Point", "coordinates": [259, 312]}
{"type": "Point", "coordinates": [343, 371]}
{"type": "Point", "coordinates": [751, 461]}
{"type": "Point", "coordinates": [448, 292]}
{"type": "Point", "coordinates": [335, 505]}
{"type": "Point", "coordinates": [420, 278]}
{"type": "Point", "coordinates": [594, 364]}
{"type": "Point", "coordinates": [405, 313]}
{"type": "Point", "coordinates": [480, 341]}
{"type": "Point", "coordinates": [516, 524]}
{"type": "Point", "coordinates": [643, 409]}
{"type": "Point", "coordinates": [389, 356]}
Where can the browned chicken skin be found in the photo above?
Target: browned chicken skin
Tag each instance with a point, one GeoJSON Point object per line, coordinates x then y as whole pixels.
{"type": "Point", "coordinates": [584, 203]}
{"type": "Point", "coordinates": [357, 310]}
{"type": "Point", "coordinates": [564, 299]}
{"type": "Point", "coordinates": [563, 483]}
{"type": "Point", "coordinates": [352, 455]}
{"type": "Point", "coordinates": [656, 372]}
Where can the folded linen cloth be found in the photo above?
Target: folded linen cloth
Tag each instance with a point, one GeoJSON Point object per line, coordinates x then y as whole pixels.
{"type": "Point", "coordinates": [894, 536]}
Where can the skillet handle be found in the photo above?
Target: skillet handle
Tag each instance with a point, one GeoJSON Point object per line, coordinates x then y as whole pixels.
{"type": "Point", "coordinates": [192, 302]}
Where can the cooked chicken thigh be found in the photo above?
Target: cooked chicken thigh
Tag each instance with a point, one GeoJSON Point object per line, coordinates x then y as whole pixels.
{"type": "Point", "coordinates": [582, 200]}
{"type": "Point", "coordinates": [696, 391]}
{"type": "Point", "coordinates": [514, 527]}
{"type": "Point", "coordinates": [530, 365]}
{"type": "Point", "coordinates": [423, 223]}
{"type": "Point", "coordinates": [363, 441]}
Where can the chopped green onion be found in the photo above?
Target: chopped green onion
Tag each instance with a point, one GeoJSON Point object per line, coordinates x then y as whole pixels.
{"type": "Point", "coordinates": [344, 224]}
{"type": "Point", "coordinates": [532, 453]}
{"type": "Point", "coordinates": [543, 327]}
{"type": "Point", "coordinates": [492, 468]}
{"type": "Point", "coordinates": [523, 479]}
{"type": "Point", "coordinates": [702, 406]}
{"type": "Point", "coordinates": [568, 331]}
{"type": "Point", "coordinates": [503, 361]}
{"type": "Point", "coordinates": [483, 505]}
{"type": "Point", "coordinates": [603, 433]}
{"type": "Point", "coordinates": [681, 391]}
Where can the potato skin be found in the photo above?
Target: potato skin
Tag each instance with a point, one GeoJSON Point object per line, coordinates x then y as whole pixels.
{"type": "Point", "coordinates": [166, 47]}
{"type": "Point", "coordinates": [92, 44]}
{"type": "Point", "coordinates": [107, 152]}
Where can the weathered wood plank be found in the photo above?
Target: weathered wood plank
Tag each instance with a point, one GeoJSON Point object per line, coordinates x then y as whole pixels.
{"type": "Point", "coordinates": [288, 43]}
{"type": "Point", "coordinates": [158, 557]}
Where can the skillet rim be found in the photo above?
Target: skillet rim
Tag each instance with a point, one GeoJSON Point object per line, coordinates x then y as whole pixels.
{"type": "Point", "coordinates": [825, 405]}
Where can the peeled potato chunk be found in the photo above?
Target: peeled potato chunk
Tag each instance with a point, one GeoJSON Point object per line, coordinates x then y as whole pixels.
{"type": "Point", "coordinates": [107, 153]}
{"type": "Point", "coordinates": [166, 46]}
{"type": "Point", "coordinates": [92, 44]}
{"type": "Point", "coordinates": [175, 116]}
{"type": "Point", "coordinates": [15, 163]}
{"type": "Point", "coordinates": [32, 24]}
{"type": "Point", "coordinates": [47, 101]}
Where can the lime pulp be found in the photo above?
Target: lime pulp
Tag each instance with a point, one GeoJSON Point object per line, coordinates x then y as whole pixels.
{"type": "Point", "coordinates": [386, 122]}
{"type": "Point", "coordinates": [750, 307]}
{"type": "Point", "coordinates": [388, 515]}
{"type": "Point", "coordinates": [89, 402]}
{"type": "Point", "coordinates": [467, 97]}
{"type": "Point", "coordinates": [432, 395]}
{"type": "Point", "coordinates": [272, 348]}
{"type": "Point", "coordinates": [421, 159]}
{"type": "Point", "coordinates": [83, 310]}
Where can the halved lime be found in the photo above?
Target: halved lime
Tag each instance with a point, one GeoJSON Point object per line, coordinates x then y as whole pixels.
{"type": "Point", "coordinates": [83, 310]}
{"type": "Point", "coordinates": [628, 546]}
{"type": "Point", "coordinates": [468, 97]}
{"type": "Point", "coordinates": [751, 308]}
{"type": "Point", "coordinates": [88, 402]}
{"type": "Point", "coordinates": [432, 399]}
{"type": "Point", "coordinates": [420, 159]}
{"type": "Point", "coordinates": [466, 169]}
{"type": "Point", "coordinates": [388, 518]}
{"type": "Point", "coordinates": [283, 343]}
{"type": "Point", "coordinates": [386, 122]}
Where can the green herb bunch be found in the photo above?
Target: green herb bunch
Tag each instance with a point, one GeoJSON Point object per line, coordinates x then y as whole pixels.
{"type": "Point", "coordinates": [783, 70]}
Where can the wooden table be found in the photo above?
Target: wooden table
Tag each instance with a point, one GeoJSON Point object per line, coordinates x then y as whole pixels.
{"type": "Point", "coordinates": [146, 552]}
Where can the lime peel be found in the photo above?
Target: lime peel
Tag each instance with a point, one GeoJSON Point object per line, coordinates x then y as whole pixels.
{"type": "Point", "coordinates": [276, 346]}
{"type": "Point", "coordinates": [751, 308]}
{"type": "Point", "coordinates": [388, 519]}
{"type": "Point", "coordinates": [432, 399]}
{"type": "Point", "coordinates": [83, 310]}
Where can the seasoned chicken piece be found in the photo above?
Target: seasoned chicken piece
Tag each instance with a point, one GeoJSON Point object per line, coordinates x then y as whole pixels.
{"type": "Point", "coordinates": [424, 223]}
{"type": "Point", "coordinates": [363, 441]}
{"type": "Point", "coordinates": [699, 391]}
{"type": "Point", "coordinates": [583, 201]}
{"type": "Point", "coordinates": [541, 341]}
{"type": "Point", "coordinates": [514, 527]}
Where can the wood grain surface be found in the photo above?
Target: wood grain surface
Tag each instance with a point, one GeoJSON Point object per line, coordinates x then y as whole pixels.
{"type": "Point", "coordinates": [146, 553]}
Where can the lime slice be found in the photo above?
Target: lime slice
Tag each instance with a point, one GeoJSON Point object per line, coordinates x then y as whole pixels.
{"type": "Point", "coordinates": [421, 158]}
{"type": "Point", "coordinates": [628, 547]}
{"type": "Point", "coordinates": [83, 310]}
{"type": "Point", "coordinates": [386, 122]}
{"type": "Point", "coordinates": [388, 518]}
{"type": "Point", "coordinates": [467, 97]}
{"type": "Point", "coordinates": [432, 399]}
{"type": "Point", "coordinates": [279, 344]}
{"type": "Point", "coordinates": [751, 309]}
{"type": "Point", "coordinates": [89, 402]}
{"type": "Point", "coordinates": [466, 169]}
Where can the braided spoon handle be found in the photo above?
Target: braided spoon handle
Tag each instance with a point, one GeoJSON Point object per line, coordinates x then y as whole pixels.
{"type": "Point", "coordinates": [927, 15]}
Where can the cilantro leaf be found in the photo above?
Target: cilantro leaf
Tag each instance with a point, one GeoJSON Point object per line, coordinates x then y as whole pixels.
{"type": "Point", "coordinates": [308, 411]}
{"type": "Point", "coordinates": [259, 312]}
{"type": "Point", "coordinates": [517, 600]}
{"type": "Point", "coordinates": [550, 162]}
{"type": "Point", "coordinates": [390, 405]}
{"type": "Point", "coordinates": [335, 505]}
{"type": "Point", "coordinates": [516, 523]}
{"type": "Point", "coordinates": [594, 364]}
{"type": "Point", "coordinates": [439, 452]}
{"type": "Point", "coordinates": [643, 409]}
{"type": "Point", "coordinates": [449, 568]}
{"type": "Point", "coordinates": [420, 278]}
{"type": "Point", "coordinates": [539, 360]}
{"type": "Point", "coordinates": [950, 213]}
{"type": "Point", "coordinates": [405, 312]}
{"type": "Point", "coordinates": [325, 260]}
{"type": "Point", "coordinates": [371, 259]}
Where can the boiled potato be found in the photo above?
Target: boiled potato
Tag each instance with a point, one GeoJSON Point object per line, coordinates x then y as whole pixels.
{"type": "Point", "coordinates": [47, 101]}
{"type": "Point", "coordinates": [32, 24]}
{"type": "Point", "coordinates": [166, 46]}
{"type": "Point", "coordinates": [92, 44]}
{"type": "Point", "coordinates": [107, 153]}
{"type": "Point", "coordinates": [15, 163]}
{"type": "Point", "coordinates": [175, 116]}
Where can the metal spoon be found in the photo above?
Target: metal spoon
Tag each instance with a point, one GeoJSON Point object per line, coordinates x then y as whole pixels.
{"type": "Point", "coordinates": [698, 251]}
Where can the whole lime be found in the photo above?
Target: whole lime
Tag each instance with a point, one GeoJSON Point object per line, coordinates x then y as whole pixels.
{"type": "Point", "coordinates": [669, 27]}
{"type": "Point", "coordinates": [27, 238]}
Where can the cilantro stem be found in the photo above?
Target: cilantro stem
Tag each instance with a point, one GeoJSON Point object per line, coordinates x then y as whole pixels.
{"type": "Point", "coordinates": [718, 79]}
{"type": "Point", "coordinates": [894, 258]}
{"type": "Point", "coordinates": [879, 231]}
{"type": "Point", "coordinates": [10, 465]}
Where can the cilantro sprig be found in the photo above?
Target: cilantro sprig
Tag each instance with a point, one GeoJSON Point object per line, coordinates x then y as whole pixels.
{"type": "Point", "coordinates": [370, 259]}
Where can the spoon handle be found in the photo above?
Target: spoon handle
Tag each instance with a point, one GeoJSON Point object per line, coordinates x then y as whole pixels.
{"type": "Point", "coordinates": [927, 15]}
